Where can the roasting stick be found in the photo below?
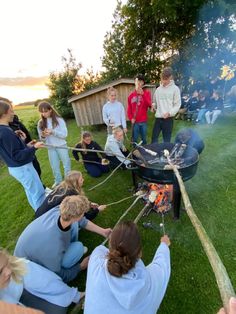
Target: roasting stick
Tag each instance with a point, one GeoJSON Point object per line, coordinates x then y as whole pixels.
{"type": "Point", "coordinates": [224, 284]}
{"type": "Point", "coordinates": [124, 214]}
{"type": "Point", "coordinates": [122, 200]}
{"type": "Point", "coordinates": [84, 150]}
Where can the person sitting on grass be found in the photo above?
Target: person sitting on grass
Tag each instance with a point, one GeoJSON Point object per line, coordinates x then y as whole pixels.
{"type": "Point", "coordinates": [203, 106]}
{"type": "Point", "coordinates": [193, 106]}
{"type": "Point", "coordinates": [72, 185]}
{"type": "Point", "coordinates": [115, 149]}
{"type": "Point", "coordinates": [94, 165]}
{"type": "Point", "coordinates": [215, 108]}
{"type": "Point", "coordinates": [34, 286]}
{"type": "Point", "coordinates": [190, 137]}
{"type": "Point", "coordinates": [52, 239]}
{"type": "Point", "coordinates": [118, 281]}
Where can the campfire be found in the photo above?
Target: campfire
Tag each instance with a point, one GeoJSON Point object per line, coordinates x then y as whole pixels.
{"type": "Point", "coordinates": [159, 195]}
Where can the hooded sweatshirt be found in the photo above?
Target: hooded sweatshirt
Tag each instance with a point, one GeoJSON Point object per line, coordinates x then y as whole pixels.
{"type": "Point", "coordinates": [167, 99]}
{"type": "Point", "coordinates": [140, 291]}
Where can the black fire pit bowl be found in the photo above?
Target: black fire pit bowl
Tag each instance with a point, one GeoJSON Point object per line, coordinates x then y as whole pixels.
{"type": "Point", "coordinates": [155, 172]}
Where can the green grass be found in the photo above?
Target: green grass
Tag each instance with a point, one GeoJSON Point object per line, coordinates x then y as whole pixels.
{"type": "Point", "coordinates": [192, 288]}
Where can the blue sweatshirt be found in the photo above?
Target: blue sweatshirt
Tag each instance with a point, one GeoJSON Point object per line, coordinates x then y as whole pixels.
{"type": "Point", "coordinates": [13, 150]}
{"type": "Point", "coordinates": [44, 243]}
{"type": "Point", "coordinates": [42, 283]}
{"type": "Point", "coordinates": [139, 291]}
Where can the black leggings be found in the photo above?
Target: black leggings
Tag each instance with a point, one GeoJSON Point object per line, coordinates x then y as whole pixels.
{"type": "Point", "coordinates": [37, 303]}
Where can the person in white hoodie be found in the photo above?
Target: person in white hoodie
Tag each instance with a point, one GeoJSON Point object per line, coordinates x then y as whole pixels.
{"type": "Point", "coordinates": [118, 281]}
{"type": "Point", "coordinates": [167, 102]}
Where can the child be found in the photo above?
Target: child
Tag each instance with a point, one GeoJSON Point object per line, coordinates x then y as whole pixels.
{"type": "Point", "coordinates": [94, 165]}
{"type": "Point", "coordinates": [113, 112]}
{"type": "Point", "coordinates": [52, 129]}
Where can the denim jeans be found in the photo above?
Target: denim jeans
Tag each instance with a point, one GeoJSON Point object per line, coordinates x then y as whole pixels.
{"type": "Point", "coordinates": [55, 155]}
{"type": "Point", "coordinates": [76, 249]}
{"type": "Point", "coordinates": [140, 129]}
{"type": "Point", "coordinates": [201, 115]}
{"type": "Point", "coordinates": [31, 182]}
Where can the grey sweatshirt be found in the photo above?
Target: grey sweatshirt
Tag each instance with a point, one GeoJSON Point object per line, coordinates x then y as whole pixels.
{"type": "Point", "coordinates": [167, 99]}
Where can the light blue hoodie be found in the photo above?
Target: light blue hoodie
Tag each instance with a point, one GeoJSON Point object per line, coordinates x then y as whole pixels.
{"type": "Point", "coordinates": [140, 291]}
{"type": "Point", "coordinates": [42, 283]}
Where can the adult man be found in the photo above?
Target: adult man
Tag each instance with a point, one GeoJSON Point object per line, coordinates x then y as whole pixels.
{"type": "Point", "coordinates": [115, 149]}
{"type": "Point", "coordinates": [138, 103]}
{"type": "Point", "coordinates": [18, 156]}
{"type": "Point", "coordinates": [52, 239]}
{"type": "Point", "coordinates": [167, 102]}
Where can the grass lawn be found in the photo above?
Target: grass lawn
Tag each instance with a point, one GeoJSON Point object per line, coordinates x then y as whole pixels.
{"type": "Point", "coordinates": [192, 288]}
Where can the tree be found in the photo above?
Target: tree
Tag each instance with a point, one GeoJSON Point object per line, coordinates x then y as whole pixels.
{"type": "Point", "coordinates": [69, 82]}
{"type": "Point", "coordinates": [145, 33]}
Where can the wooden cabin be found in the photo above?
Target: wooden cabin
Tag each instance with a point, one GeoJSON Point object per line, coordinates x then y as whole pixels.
{"type": "Point", "coordinates": [87, 106]}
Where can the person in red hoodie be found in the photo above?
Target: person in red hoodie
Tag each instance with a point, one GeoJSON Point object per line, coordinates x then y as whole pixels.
{"type": "Point", "coordinates": [138, 103]}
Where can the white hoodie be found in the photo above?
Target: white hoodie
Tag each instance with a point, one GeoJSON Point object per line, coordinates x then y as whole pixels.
{"type": "Point", "coordinates": [140, 291]}
{"type": "Point", "coordinates": [167, 99]}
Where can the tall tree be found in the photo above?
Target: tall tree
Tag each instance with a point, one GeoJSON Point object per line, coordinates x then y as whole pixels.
{"type": "Point", "coordinates": [69, 82]}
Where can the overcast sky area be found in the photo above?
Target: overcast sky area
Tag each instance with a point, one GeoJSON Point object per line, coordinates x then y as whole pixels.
{"type": "Point", "coordinates": [36, 34]}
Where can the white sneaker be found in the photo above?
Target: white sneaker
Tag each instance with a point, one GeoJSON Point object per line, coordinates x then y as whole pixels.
{"type": "Point", "coordinates": [85, 249]}
{"type": "Point", "coordinates": [47, 191]}
{"type": "Point", "coordinates": [54, 185]}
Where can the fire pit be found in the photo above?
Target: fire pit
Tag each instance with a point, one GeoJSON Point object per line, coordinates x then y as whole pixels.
{"type": "Point", "coordinates": [151, 165]}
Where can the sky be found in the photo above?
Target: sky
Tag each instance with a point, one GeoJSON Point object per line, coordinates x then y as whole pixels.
{"type": "Point", "coordinates": [36, 34]}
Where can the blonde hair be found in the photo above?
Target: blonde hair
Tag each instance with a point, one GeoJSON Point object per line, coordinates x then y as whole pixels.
{"type": "Point", "coordinates": [71, 182]}
{"type": "Point", "coordinates": [83, 136]}
{"type": "Point", "coordinates": [116, 130]}
{"type": "Point", "coordinates": [73, 207]}
{"type": "Point", "coordinates": [16, 264]}
{"type": "Point", "coordinates": [110, 90]}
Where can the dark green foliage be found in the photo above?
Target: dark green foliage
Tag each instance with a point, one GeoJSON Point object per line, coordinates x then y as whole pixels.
{"type": "Point", "coordinates": [62, 85]}
{"type": "Point", "coordinates": [195, 37]}
{"type": "Point", "coordinates": [32, 127]}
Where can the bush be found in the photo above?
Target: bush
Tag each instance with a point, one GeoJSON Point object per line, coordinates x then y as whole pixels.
{"type": "Point", "coordinates": [32, 127]}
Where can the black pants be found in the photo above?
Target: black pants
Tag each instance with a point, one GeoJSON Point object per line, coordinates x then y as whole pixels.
{"type": "Point", "coordinates": [115, 162]}
{"type": "Point", "coordinates": [37, 303]}
{"type": "Point", "coordinates": [164, 125]}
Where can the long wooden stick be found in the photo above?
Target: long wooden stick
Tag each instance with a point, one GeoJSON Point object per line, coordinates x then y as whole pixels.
{"type": "Point", "coordinates": [224, 284]}
{"type": "Point", "coordinates": [124, 214]}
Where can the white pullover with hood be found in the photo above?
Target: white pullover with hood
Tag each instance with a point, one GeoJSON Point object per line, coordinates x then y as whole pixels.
{"type": "Point", "coordinates": [140, 291]}
{"type": "Point", "coordinates": [167, 99]}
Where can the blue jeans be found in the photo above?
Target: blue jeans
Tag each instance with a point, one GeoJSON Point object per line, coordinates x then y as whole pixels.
{"type": "Point", "coordinates": [140, 129]}
{"type": "Point", "coordinates": [76, 249]}
{"type": "Point", "coordinates": [31, 182]}
{"type": "Point", "coordinates": [95, 170]}
{"type": "Point", "coordinates": [55, 155]}
{"type": "Point", "coordinates": [201, 114]}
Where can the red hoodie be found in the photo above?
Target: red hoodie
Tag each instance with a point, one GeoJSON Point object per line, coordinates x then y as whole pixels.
{"type": "Point", "coordinates": [138, 106]}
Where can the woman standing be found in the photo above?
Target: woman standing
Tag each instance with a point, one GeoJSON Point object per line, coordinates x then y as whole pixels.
{"type": "Point", "coordinates": [113, 112]}
{"type": "Point", "coordinates": [35, 286]}
{"type": "Point", "coordinates": [53, 130]}
{"type": "Point", "coordinates": [94, 165]}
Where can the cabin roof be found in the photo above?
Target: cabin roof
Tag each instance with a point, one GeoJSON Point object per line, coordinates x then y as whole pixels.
{"type": "Point", "coordinates": [100, 88]}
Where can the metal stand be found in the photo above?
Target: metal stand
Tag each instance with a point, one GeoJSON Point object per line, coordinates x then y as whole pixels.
{"type": "Point", "coordinates": [176, 199]}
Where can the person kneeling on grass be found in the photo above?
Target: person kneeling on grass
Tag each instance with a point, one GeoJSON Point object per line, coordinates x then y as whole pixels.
{"type": "Point", "coordinates": [94, 165]}
{"type": "Point", "coordinates": [118, 281]}
{"type": "Point", "coordinates": [72, 185]}
{"type": "Point", "coordinates": [34, 286]}
{"type": "Point", "coordinates": [116, 150]}
{"type": "Point", "coordinates": [52, 239]}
